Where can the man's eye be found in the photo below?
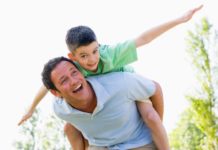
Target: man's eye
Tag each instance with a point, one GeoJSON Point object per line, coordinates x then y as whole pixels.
{"type": "Point", "coordinates": [74, 73]}
{"type": "Point", "coordinates": [63, 81]}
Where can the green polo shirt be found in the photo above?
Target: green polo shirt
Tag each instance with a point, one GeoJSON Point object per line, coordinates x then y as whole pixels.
{"type": "Point", "coordinates": [114, 58]}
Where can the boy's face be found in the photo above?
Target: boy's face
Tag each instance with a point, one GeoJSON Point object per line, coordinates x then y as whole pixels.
{"type": "Point", "coordinates": [87, 56]}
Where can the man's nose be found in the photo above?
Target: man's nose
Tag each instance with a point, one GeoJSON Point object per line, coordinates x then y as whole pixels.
{"type": "Point", "coordinates": [73, 80]}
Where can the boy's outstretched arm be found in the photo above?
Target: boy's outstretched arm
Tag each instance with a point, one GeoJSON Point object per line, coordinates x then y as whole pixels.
{"type": "Point", "coordinates": [154, 32]}
{"type": "Point", "coordinates": [39, 96]}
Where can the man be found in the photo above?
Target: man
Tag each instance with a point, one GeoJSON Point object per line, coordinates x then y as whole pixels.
{"type": "Point", "coordinates": [102, 107]}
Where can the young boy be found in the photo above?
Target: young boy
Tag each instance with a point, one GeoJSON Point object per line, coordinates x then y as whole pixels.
{"type": "Point", "coordinates": [93, 59]}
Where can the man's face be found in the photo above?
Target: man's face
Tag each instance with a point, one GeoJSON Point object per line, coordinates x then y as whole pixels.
{"type": "Point", "coordinates": [70, 83]}
{"type": "Point", "coordinates": [87, 56]}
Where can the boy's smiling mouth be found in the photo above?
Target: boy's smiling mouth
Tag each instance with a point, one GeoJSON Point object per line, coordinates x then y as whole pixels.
{"type": "Point", "coordinates": [92, 65]}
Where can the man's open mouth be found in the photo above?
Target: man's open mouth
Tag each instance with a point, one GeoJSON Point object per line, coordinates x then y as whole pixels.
{"type": "Point", "coordinates": [78, 88]}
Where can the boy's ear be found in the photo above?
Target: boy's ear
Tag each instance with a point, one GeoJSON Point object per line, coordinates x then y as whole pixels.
{"type": "Point", "coordinates": [55, 93]}
{"type": "Point", "coordinates": [71, 56]}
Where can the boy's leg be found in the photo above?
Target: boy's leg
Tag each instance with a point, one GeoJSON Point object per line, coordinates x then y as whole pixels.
{"type": "Point", "coordinates": [157, 100]}
{"type": "Point", "coordinates": [153, 121]}
{"type": "Point", "coordinates": [150, 146]}
{"type": "Point", "coordinates": [75, 137]}
{"type": "Point", "coordinates": [97, 148]}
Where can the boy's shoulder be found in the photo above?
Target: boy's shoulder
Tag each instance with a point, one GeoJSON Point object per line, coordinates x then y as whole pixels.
{"type": "Point", "coordinates": [120, 45]}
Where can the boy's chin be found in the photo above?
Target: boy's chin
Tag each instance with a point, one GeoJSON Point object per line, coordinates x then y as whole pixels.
{"type": "Point", "coordinates": [94, 70]}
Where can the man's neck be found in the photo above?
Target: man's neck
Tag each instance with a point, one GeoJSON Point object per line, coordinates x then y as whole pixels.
{"type": "Point", "coordinates": [89, 105]}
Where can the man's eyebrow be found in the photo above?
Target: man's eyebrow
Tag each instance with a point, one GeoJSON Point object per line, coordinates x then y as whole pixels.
{"type": "Point", "coordinates": [61, 78]}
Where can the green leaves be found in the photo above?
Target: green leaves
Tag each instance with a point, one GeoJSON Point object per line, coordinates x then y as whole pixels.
{"type": "Point", "coordinates": [198, 129]}
{"type": "Point", "coordinates": [42, 134]}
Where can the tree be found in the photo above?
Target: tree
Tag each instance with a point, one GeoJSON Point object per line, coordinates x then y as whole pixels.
{"type": "Point", "coordinates": [41, 133]}
{"type": "Point", "coordinates": [198, 128]}
{"type": "Point", "coordinates": [186, 136]}
{"type": "Point", "coordinates": [53, 137]}
{"type": "Point", "coordinates": [29, 129]}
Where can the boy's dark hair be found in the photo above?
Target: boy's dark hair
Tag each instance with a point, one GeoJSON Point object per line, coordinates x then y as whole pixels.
{"type": "Point", "coordinates": [49, 67]}
{"type": "Point", "coordinates": [79, 36]}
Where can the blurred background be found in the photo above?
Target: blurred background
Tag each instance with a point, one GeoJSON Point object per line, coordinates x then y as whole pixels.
{"type": "Point", "coordinates": [31, 32]}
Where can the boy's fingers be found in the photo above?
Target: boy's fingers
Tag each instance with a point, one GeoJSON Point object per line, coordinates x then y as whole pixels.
{"type": "Point", "coordinates": [198, 8]}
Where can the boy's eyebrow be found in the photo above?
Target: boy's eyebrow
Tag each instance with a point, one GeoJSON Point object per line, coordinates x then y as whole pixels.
{"type": "Point", "coordinates": [82, 53]}
{"type": "Point", "coordinates": [97, 46]}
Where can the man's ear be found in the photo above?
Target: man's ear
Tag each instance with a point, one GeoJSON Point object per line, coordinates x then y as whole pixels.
{"type": "Point", "coordinates": [72, 56]}
{"type": "Point", "coordinates": [55, 93]}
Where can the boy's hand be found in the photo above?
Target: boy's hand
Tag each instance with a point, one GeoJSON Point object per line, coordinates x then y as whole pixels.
{"type": "Point", "coordinates": [25, 117]}
{"type": "Point", "coordinates": [188, 15]}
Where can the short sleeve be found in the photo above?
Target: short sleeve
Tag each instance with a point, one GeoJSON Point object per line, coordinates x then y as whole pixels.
{"type": "Point", "coordinates": [118, 56]}
{"type": "Point", "coordinates": [139, 88]}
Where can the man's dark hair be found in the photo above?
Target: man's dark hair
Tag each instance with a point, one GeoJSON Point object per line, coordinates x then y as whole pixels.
{"type": "Point", "coordinates": [49, 67]}
{"type": "Point", "coordinates": [79, 36]}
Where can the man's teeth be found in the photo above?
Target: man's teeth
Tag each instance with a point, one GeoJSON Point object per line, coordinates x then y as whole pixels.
{"type": "Point", "coordinates": [77, 87]}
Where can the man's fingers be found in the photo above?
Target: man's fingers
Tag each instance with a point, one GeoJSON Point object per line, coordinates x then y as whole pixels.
{"type": "Point", "coordinates": [21, 122]}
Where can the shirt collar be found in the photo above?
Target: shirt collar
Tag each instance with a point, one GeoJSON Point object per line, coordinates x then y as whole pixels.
{"type": "Point", "coordinates": [101, 93]}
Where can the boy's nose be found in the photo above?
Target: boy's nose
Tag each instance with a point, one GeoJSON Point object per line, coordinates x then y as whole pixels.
{"type": "Point", "coordinates": [92, 59]}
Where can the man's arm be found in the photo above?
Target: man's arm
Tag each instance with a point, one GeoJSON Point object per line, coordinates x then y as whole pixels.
{"type": "Point", "coordinates": [153, 33]}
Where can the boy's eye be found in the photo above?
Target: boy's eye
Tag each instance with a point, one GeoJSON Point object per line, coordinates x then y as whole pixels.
{"type": "Point", "coordinates": [83, 56]}
{"type": "Point", "coordinates": [95, 51]}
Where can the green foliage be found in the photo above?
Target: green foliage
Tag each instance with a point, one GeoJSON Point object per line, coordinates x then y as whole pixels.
{"type": "Point", "coordinates": [53, 136]}
{"type": "Point", "coordinates": [198, 129]}
{"type": "Point", "coordinates": [186, 136]}
{"type": "Point", "coordinates": [29, 129]}
{"type": "Point", "coordinates": [42, 134]}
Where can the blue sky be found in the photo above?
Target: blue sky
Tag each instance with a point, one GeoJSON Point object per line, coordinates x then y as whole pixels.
{"type": "Point", "coordinates": [34, 31]}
